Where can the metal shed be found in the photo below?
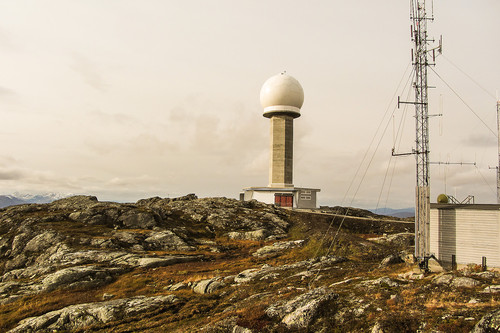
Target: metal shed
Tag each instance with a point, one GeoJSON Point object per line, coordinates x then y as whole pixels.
{"type": "Point", "coordinates": [468, 232]}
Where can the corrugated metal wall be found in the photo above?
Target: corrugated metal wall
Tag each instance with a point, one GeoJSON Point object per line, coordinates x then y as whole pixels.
{"type": "Point", "coordinates": [469, 234]}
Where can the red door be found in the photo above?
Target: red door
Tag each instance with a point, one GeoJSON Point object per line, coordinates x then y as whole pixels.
{"type": "Point", "coordinates": [283, 200]}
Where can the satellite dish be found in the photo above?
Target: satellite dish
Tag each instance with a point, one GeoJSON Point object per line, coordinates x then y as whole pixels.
{"type": "Point", "coordinates": [443, 199]}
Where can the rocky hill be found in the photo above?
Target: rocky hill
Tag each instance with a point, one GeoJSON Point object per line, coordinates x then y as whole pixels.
{"type": "Point", "coordinates": [221, 265]}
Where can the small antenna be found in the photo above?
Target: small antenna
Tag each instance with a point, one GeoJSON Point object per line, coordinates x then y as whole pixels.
{"type": "Point", "coordinates": [441, 112]}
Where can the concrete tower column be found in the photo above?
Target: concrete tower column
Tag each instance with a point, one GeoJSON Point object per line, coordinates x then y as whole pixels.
{"type": "Point", "coordinates": [282, 97]}
{"type": "Point", "coordinates": [281, 161]}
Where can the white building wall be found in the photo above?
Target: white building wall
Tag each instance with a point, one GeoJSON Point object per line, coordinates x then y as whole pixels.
{"type": "Point", "coordinates": [434, 233]}
{"type": "Point", "coordinates": [467, 233]}
{"type": "Point", "coordinates": [265, 197]}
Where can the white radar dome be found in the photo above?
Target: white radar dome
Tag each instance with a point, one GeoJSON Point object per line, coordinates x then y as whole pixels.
{"type": "Point", "coordinates": [281, 93]}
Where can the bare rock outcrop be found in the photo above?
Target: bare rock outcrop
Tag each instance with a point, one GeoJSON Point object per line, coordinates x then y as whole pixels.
{"type": "Point", "coordinates": [404, 239]}
{"type": "Point", "coordinates": [255, 235]}
{"type": "Point", "coordinates": [77, 202]}
{"type": "Point", "coordinates": [83, 315]}
{"type": "Point", "coordinates": [277, 248]}
{"type": "Point", "coordinates": [80, 242]}
{"type": "Point", "coordinates": [489, 323]}
{"type": "Point", "coordinates": [443, 279]}
{"type": "Point", "coordinates": [208, 286]}
{"type": "Point", "coordinates": [221, 214]}
{"type": "Point", "coordinates": [79, 276]}
{"type": "Point", "coordinates": [167, 240]}
{"type": "Point", "coordinates": [391, 259]}
{"type": "Point", "coordinates": [464, 282]}
{"type": "Point", "coordinates": [303, 309]}
{"type": "Point", "coordinates": [224, 277]}
{"type": "Point", "coordinates": [383, 281]}
{"type": "Point", "coordinates": [271, 272]}
{"type": "Point", "coordinates": [455, 281]}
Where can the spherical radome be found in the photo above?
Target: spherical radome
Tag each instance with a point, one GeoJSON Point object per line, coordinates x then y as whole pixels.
{"type": "Point", "coordinates": [442, 199]}
{"type": "Point", "coordinates": [283, 90]}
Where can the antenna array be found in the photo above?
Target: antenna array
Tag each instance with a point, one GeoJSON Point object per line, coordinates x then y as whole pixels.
{"type": "Point", "coordinates": [422, 198]}
{"type": "Point", "coordinates": [420, 61]}
{"type": "Point", "coordinates": [498, 166]}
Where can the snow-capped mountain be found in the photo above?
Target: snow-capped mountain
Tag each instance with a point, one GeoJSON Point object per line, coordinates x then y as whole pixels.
{"type": "Point", "coordinates": [23, 198]}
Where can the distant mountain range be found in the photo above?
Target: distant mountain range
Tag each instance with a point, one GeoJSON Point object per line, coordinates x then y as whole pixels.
{"type": "Point", "coordinates": [18, 198]}
{"type": "Point", "coordinates": [402, 213]}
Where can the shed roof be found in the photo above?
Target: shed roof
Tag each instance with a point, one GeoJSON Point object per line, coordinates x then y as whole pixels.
{"type": "Point", "coordinates": [466, 206]}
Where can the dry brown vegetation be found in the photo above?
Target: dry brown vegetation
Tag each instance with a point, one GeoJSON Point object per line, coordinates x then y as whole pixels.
{"type": "Point", "coordinates": [419, 305]}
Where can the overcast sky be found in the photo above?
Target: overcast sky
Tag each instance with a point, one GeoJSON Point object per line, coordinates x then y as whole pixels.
{"type": "Point", "coordinates": [127, 99]}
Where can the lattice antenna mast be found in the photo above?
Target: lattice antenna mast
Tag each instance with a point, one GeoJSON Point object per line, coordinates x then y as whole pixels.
{"type": "Point", "coordinates": [498, 166]}
{"type": "Point", "coordinates": [422, 198]}
{"type": "Point", "coordinates": [420, 55]}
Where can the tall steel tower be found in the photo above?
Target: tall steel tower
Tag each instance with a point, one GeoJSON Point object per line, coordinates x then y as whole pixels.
{"type": "Point", "coordinates": [498, 166]}
{"type": "Point", "coordinates": [420, 63]}
{"type": "Point", "coordinates": [420, 54]}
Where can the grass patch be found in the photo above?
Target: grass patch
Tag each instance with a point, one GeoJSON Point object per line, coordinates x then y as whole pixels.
{"type": "Point", "coordinates": [76, 229]}
{"type": "Point", "coordinates": [400, 322]}
{"type": "Point", "coordinates": [29, 306]}
{"type": "Point", "coordinates": [137, 282]}
{"type": "Point", "coordinates": [254, 318]}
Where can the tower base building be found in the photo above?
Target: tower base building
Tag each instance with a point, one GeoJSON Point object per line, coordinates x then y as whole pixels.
{"type": "Point", "coordinates": [282, 97]}
{"type": "Point", "coordinates": [289, 197]}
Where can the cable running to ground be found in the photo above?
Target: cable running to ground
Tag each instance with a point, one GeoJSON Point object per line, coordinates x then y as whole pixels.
{"type": "Point", "coordinates": [364, 158]}
{"type": "Point", "coordinates": [465, 103]}
{"type": "Point", "coordinates": [470, 77]}
{"type": "Point", "coordinates": [484, 179]}
{"type": "Point", "coordinates": [356, 174]}
{"type": "Point", "coordinates": [398, 135]}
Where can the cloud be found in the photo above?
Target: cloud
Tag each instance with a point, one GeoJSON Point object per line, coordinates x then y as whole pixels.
{"type": "Point", "coordinates": [9, 169]}
{"type": "Point", "coordinates": [480, 140]}
{"type": "Point", "coordinates": [140, 145]}
{"type": "Point", "coordinates": [6, 159]}
{"type": "Point", "coordinates": [133, 181]}
{"type": "Point", "coordinates": [6, 92]}
{"type": "Point", "coordinates": [10, 174]}
{"type": "Point", "coordinates": [116, 118]}
{"type": "Point", "coordinates": [89, 72]}
{"type": "Point", "coordinates": [6, 41]}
